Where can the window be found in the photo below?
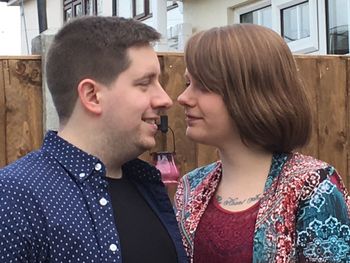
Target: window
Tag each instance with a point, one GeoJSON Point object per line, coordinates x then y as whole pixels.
{"type": "Point", "coordinates": [295, 20]}
{"type": "Point", "coordinates": [171, 4]}
{"type": "Point", "coordinates": [75, 8]}
{"type": "Point", "coordinates": [98, 8]}
{"type": "Point", "coordinates": [338, 26]}
{"type": "Point", "coordinates": [260, 17]}
{"type": "Point", "coordinates": [142, 9]}
{"type": "Point", "coordinates": [78, 11]}
{"type": "Point", "coordinates": [258, 13]}
{"type": "Point", "coordinates": [298, 24]}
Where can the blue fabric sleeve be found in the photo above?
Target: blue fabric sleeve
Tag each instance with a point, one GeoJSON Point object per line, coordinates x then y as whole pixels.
{"type": "Point", "coordinates": [322, 229]}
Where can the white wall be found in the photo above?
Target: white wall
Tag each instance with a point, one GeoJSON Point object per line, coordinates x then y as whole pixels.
{"type": "Point", "coordinates": [10, 30]}
{"type": "Point", "coordinates": [174, 17]}
{"type": "Point", "coordinates": [204, 14]}
{"type": "Point", "coordinates": [30, 21]}
{"type": "Point", "coordinates": [54, 18]}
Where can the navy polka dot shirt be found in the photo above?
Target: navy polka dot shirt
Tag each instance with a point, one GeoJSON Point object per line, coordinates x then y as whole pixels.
{"type": "Point", "coordinates": [54, 206]}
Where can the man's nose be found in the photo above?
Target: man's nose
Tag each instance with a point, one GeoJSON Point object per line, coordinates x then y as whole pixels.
{"type": "Point", "coordinates": [162, 100]}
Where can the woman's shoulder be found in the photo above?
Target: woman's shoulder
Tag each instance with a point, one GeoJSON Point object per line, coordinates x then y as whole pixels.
{"type": "Point", "coordinates": [310, 171]}
{"type": "Point", "coordinates": [196, 176]}
{"type": "Point", "coordinates": [301, 163]}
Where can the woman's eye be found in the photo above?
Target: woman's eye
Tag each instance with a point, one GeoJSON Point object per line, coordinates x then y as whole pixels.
{"type": "Point", "coordinates": [145, 83]}
{"type": "Point", "coordinates": [187, 83]}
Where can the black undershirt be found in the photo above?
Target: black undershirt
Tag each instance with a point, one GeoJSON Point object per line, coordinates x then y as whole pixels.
{"type": "Point", "coordinates": [143, 237]}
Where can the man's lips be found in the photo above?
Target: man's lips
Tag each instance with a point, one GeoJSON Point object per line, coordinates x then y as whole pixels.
{"type": "Point", "coordinates": [150, 121]}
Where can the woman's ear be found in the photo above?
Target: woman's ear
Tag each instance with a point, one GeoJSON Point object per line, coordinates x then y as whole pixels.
{"type": "Point", "coordinates": [89, 95]}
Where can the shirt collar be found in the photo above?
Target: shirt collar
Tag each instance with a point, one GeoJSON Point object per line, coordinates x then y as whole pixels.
{"type": "Point", "coordinates": [74, 160]}
{"type": "Point", "coordinates": [141, 170]}
{"type": "Point", "coordinates": [81, 164]}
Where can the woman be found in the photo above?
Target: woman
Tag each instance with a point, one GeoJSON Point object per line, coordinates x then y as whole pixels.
{"type": "Point", "coordinates": [261, 202]}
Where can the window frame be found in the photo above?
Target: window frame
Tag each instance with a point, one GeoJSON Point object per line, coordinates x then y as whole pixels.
{"type": "Point", "coordinates": [304, 45]}
{"type": "Point", "coordinates": [173, 6]}
{"type": "Point", "coordinates": [327, 27]}
{"type": "Point", "coordinates": [315, 43]}
{"type": "Point", "coordinates": [147, 12]}
{"type": "Point", "coordinates": [71, 4]}
{"type": "Point", "coordinates": [249, 8]}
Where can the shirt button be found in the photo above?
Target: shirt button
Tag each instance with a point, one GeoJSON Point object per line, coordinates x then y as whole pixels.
{"type": "Point", "coordinates": [103, 201]}
{"type": "Point", "coordinates": [113, 247]}
{"type": "Point", "coordinates": [98, 166]}
{"type": "Point", "coordinates": [82, 175]}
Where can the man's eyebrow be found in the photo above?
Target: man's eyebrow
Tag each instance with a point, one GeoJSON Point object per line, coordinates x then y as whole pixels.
{"type": "Point", "coordinates": [147, 76]}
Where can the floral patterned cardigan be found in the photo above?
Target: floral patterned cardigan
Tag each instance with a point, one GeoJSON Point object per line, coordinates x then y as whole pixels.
{"type": "Point", "coordinates": [304, 214]}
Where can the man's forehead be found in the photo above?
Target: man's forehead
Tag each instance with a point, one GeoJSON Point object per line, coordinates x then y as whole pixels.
{"type": "Point", "coordinates": [142, 63]}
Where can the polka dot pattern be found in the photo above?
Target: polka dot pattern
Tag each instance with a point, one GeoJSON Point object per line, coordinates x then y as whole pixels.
{"type": "Point", "coordinates": [54, 207]}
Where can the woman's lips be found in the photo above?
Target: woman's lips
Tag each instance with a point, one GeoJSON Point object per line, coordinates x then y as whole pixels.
{"type": "Point", "coordinates": [190, 119]}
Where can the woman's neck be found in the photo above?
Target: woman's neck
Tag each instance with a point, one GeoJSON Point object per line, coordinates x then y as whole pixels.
{"type": "Point", "coordinates": [243, 163]}
{"type": "Point", "coordinates": [244, 173]}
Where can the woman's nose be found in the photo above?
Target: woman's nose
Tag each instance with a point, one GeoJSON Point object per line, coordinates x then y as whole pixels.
{"type": "Point", "coordinates": [184, 98]}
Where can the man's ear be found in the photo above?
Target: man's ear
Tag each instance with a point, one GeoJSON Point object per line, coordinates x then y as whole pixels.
{"type": "Point", "coordinates": [89, 95]}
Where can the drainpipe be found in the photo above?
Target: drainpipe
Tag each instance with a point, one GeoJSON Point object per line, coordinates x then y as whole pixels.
{"type": "Point", "coordinates": [42, 15]}
{"type": "Point", "coordinates": [114, 8]}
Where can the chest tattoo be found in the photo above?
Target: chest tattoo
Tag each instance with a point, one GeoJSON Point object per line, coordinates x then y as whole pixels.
{"type": "Point", "coordinates": [234, 201]}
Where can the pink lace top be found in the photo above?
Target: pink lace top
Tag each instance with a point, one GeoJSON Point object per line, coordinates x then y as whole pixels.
{"type": "Point", "coordinates": [224, 236]}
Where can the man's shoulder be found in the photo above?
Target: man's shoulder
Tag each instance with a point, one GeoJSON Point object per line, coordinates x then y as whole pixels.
{"type": "Point", "coordinates": [28, 164]}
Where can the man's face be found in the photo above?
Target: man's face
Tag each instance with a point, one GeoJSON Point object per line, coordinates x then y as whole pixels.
{"type": "Point", "coordinates": [132, 103]}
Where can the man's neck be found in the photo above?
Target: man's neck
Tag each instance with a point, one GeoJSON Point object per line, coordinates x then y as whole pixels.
{"type": "Point", "coordinates": [111, 160]}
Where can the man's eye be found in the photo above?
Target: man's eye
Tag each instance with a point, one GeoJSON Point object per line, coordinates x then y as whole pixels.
{"type": "Point", "coordinates": [187, 83]}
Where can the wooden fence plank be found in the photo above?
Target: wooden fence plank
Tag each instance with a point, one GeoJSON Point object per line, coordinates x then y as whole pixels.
{"type": "Point", "coordinates": [332, 97]}
{"type": "Point", "coordinates": [24, 127]}
{"type": "Point", "coordinates": [307, 68]}
{"type": "Point", "coordinates": [2, 115]}
{"type": "Point", "coordinates": [186, 155]}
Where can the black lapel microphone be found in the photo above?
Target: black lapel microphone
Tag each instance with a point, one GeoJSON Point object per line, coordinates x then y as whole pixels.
{"type": "Point", "coordinates": [163, 126]}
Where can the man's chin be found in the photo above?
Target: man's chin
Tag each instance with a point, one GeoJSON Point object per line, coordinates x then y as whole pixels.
{"type": "Point", "coordinates": [148, 145]}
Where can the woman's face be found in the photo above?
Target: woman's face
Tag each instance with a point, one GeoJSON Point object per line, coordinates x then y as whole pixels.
{"type": "Point", "coordinates": [208, 120]}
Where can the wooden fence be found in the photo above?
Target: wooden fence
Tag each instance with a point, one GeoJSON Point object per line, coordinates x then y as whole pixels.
{"type": "Point", "coordinates": [326, 78]}
{"type": "Point", "coordinates": [21, 107]}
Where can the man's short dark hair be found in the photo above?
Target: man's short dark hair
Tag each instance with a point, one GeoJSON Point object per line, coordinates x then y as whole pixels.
{"type": "Point", "coordinates": [91, 47]}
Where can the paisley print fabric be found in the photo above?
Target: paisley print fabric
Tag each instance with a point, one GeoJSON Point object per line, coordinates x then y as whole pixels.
{"type": "Point", "coordinates": [304, 214]}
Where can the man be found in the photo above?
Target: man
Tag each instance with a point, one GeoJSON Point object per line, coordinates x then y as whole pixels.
{"type": "Point", "coordinates": [83, 197]}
